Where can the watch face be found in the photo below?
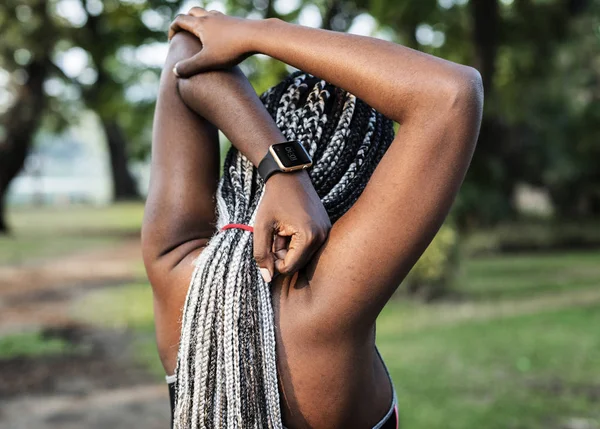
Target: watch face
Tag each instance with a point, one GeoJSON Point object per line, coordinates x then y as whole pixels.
{"type": "Point", "coordinates": [291, 154]}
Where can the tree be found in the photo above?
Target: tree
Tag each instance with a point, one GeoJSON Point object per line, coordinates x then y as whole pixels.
{"type": "Point", "coordinates": [34, 32]}
{"type": "Point", "coordinates": [531, 111]}
{"type": "Point", "coordinates": [569, 121]}
{"type": "Point", "coordinates": [107, 27]}
{"type": "Point", "coordinates": [514, 45]}
{"type": "Point", "coordinates": [23, 116]}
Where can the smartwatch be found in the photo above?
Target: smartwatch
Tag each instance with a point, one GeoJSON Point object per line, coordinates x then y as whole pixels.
{"type": "Point", "coordinates": [284, 157]}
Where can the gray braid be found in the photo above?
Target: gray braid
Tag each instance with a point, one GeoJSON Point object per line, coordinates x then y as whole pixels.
{"type": "Point", "coordinates": [226, 365]}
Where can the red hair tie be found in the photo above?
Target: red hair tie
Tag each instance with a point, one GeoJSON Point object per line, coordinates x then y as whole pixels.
{"type": "Point", "coordinates": [238, 225]}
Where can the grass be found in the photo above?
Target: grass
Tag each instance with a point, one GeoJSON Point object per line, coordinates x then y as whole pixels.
{"type": "Point", "coordinates": [517, 347]}
{"type": "Point", "coordinates": [497, 373]}
{"type": "Point", "coordinates": [118, 307]}
{"type": "Point", "coordinates": [125, 307]}
{"type": "Point", "coordinates": [122, 217]}
{"type": "Point", "coordinates": [32, 344]}
{"type": "Point", "coordinates": [521, 349]}
{"type": "Point", "coordinates": [49, 232]}
{"type": "Point", "coordinates": [523, 276]}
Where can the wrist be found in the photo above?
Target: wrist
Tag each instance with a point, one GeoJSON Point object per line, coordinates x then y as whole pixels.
{"type": "Point", "coordinates": [287, 157]}
{"type": "Point", "coordinates": [258, 29]}
{"type": "Point", "coordinates": [286, 179]}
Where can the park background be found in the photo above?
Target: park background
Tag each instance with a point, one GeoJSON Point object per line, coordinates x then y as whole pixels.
{"type": "Point", "coordinates": [498, 324]}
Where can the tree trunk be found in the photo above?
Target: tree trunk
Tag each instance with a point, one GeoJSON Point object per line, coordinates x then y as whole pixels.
{"type": "Point", "coordinates": [124, 185]}
{"type": "Point", "coordinates": [21, 123]}
{"type": "Point", "coordinates": [3, 223]}
{"type": "Point", "coordinates": [491, 148]}
{"type": "Point", "coordinates": [485, 17]}
{"type": "Point", "coordinates": [22, 120]}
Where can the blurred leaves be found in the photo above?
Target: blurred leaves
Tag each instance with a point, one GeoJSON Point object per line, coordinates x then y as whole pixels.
{"type": "Point", "coordinates": [436, 270]}
{"type": "Point", "coordinates": [106, 36]}
{"type": "Point", "coordinates": [539, 60]}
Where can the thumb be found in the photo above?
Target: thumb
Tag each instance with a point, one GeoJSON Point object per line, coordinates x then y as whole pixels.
{"type": "Point", "coordinates": [194, 65]}
{"type": "Point", "coordinates": [297, 255]}
{"type": "Point", "coordinates": [263, 243]}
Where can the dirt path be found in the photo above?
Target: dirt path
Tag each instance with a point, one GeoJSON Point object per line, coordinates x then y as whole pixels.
{"type": "Point", "coordinates": [123, 408]}
{"type": "Point", "coordinates": [98, 385]}
{"type": "Point", "coordinates": [35, 295]}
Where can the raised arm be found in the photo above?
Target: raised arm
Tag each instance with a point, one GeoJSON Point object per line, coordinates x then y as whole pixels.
{"type": "Point", "coordinates": [397, 81]}
{"type": "Point", "coordinates": [438, 105]}
{"type": "Point", "coordinates": [179, 216]}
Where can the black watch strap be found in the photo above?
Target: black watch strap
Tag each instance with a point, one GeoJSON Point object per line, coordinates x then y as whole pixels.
{"type": "Point", "coordinates": [268, 166]}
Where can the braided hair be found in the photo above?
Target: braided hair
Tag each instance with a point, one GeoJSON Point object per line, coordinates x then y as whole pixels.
{"type": "Point", "coordinates": [226, 364]}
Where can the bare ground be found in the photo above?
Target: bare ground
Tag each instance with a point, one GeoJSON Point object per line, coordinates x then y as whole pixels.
{"type": "Point", "coordinates": [98, 384]}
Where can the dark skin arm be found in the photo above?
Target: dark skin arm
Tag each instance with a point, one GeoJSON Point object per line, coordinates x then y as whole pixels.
{"type": "Point", "coordinates": [179, 217]}
{"type": "Point", "coordinates": [290, 207]}
{"type": "Point", "coordinates": [180, 213]}
{"type": "Point", "coordinates": [438, 105]}
{"type": "Point", "coordinates": [227, 101]}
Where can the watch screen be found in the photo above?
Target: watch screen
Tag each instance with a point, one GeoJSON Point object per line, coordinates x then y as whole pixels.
{"type": "Point", "coordinates": [291, 154]}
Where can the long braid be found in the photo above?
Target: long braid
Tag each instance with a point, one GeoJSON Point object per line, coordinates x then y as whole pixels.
{"type": "Point", "coordinates": [226, 365]}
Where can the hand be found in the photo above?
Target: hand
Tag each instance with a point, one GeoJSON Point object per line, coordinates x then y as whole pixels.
{"type": "Point", "coordinates": [225, 40]}
{"type": "Point", "coordinates": [291, 224]}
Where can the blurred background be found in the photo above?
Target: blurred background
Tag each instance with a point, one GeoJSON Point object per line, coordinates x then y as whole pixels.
{"type": "Point", "coordinates": [498, 324]}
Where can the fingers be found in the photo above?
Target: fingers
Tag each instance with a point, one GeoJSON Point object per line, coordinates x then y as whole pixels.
{"type": "Point", "coordinates": [192, 24]}
{"type": "Point", "coordinates": [184, 23]}
{"type": "Point", "coordinates": [194, 65]}
{"type": "Point", "coordinates": [263, 243]}
{"type": "Point", "coordinates": [189, 22]}
{"type": "Point", "coordinates": [280, 245]}
{"type": "Point", "coordinates": [198, 11]}
{"type": "Point", "coordinates": [301, 248]}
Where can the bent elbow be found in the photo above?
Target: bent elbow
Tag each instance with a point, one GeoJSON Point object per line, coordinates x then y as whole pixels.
{"type": "Point", "coordinates": [467, 91]}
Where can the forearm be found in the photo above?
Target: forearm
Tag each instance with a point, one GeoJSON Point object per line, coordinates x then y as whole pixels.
{"type": "Point", "coordinates": [395, 80]}
{"type": "Point", "coordinates": [227, 99]}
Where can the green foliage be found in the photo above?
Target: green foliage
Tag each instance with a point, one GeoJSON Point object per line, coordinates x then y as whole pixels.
{"type": "Point", "coordinates": [538, 58]}
{"type": "Point", "coordinates": [110, 33]}
{"type": "Point", "coordinates": [539, 64]}
{"type": "Point", "coordinates": [435, 271]}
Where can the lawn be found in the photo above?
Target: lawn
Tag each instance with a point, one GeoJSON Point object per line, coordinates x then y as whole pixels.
{"type": "Point", "coordinates": [516, 347]}
{"type": "Point", "coordinates": [31, 344]}
{"type": "Point", "coordinates": [520, 349]}
{"type": "Point", "coordinates": [49, 232]}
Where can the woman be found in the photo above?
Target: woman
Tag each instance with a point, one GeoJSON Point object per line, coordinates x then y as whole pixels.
{"type": "Point", "coordinates": [265, 315]}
